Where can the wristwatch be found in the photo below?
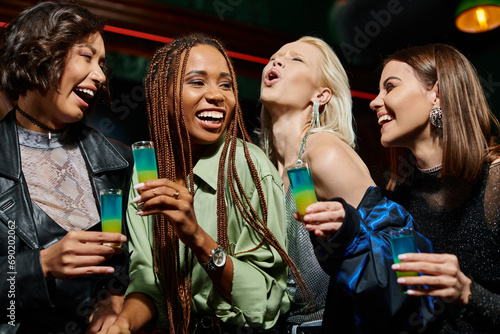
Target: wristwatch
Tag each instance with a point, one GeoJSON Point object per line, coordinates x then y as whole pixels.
{"type": "Point", "coordinates": [217, 259]}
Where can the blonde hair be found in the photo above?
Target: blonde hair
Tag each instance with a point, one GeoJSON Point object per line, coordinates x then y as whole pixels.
{"type": "Point", "coordinates": [336, 116]}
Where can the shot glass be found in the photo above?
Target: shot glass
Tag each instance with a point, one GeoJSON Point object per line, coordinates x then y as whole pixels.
{"type": "Point", "coordinates": [145, 160]}
{"type": "Point", "coordinates": [111, 212]}
{"type": "Point", "coordinates": [403, 241]}
{"type": "Point", "coordinates": [302, 186]}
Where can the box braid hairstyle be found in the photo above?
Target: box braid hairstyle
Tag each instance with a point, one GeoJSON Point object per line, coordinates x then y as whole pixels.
{"type": "Point", "coordinates": [173, 150]}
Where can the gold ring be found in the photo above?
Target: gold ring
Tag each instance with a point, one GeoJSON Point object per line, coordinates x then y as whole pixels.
{"type": "Point", "coordinates": [175, 194]}
{"type": "Point", "coordinates": [154, 191]}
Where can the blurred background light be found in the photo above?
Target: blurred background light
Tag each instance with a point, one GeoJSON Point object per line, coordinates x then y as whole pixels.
{"type": "Point", "coordinates": [476, 16]}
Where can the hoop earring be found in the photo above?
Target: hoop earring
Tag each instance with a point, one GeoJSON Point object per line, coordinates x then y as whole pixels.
{"type": "Point", "coordinates": [436, 117]}
{"type": "Point", "coordinates": [315, 121]}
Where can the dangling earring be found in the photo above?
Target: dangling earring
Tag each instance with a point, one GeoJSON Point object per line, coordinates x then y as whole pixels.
{"type": "Point", "coordinates": [315, 121]}
{"type": "Point", "coordinates": [436, 117]}
{"type": "Point", "coordinates": [265, 135]}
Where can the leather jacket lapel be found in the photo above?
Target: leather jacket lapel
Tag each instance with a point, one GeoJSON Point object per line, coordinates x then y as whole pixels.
{"type": "Point", "coordinates": [101, 157]}
{"type": "Point", "coordinates": [15, 204]}
{"type": "Point", "coordinates": [99, 153]}
{"type": "Point", "coordinates": [9, 141]}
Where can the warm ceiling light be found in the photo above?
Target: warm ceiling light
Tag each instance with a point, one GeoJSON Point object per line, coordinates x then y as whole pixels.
{"type": "Point", "coordinates": [475, 16]}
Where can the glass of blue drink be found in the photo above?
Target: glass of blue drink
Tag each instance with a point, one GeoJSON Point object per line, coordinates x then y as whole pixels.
{"type": "Point", "coordinates": [145, 160]}
{"type": "Point", "coordinates": [302, 186]}
{"type": "Point", "coordinates": [402, 242]}
{"type": "Point", "coordinates": [111, 212]}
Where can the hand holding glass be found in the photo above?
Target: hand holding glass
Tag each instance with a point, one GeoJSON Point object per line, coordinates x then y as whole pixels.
{"type": "Point", "coordinates": [111, 212]}
{"type": "Point", "coordinates": [145, 160]}
{"type": "Point", "coordinates": [302, 186]}
{"type": "Point", "coordinates": [402, 242]}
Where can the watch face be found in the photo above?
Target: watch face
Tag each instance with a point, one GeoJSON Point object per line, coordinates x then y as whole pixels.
{"type": "Point", "coordinates": [219, 257]}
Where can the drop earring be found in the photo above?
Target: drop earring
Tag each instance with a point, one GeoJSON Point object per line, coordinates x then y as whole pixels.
{"type": "Point", "coordinates": [265, 135]}
{"type": "Point", "coordinates": [315, 121]}
{"type": "Point", "coordinates": [436, 117]}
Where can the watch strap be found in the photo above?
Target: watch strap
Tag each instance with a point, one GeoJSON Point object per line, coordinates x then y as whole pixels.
{"type": "Point", "coordinates": [210, 265]}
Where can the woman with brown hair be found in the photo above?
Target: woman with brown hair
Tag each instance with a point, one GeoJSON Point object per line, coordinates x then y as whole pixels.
{"type": "Point", "coordinates": [214, 259]}
{"type": "Point", "coordinates": [446, 173]}
{"type": "Point", "coordinates": [52, 167]}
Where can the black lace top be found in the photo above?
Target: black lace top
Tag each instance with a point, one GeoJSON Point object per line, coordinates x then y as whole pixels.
{"type": "Point", "coordinates": [462, 219]}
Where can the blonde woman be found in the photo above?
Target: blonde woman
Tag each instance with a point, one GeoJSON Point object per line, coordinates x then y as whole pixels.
{"type": "Point", "coordinates": [307, 115]}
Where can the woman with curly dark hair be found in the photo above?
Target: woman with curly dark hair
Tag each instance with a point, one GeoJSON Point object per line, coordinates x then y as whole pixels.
{"type": "Point", "coordinates": [52, 168]}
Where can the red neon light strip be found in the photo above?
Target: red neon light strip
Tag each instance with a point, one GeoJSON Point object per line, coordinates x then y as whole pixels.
{"type": "Point", "coordinates": [233, 54]}
{"type": "Point", "coordinates": [138, 34]}
{"type": "Point", "coordinates": [244, 56]}
{"type": "Point", "coordinates": [363, 95]}
{"type": "Point", "coordinates": [161, 39]}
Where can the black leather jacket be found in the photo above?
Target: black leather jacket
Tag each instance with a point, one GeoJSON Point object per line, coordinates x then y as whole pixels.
{"type": "Point", "coordinates": [29, 302]}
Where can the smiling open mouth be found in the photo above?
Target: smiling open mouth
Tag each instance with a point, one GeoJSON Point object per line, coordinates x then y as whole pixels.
{"type": "Point", "coordinates": [211, 117]}
{"type": "Point", "coordinates": [85, 94]}
{"type": "Point", "coordinates": [384, 119]}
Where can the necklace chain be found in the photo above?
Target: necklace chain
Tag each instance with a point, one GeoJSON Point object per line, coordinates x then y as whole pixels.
{"type": "Point", "coordinates": [38, 123]}
{"type": "Point", "coordinates": [430, 170]}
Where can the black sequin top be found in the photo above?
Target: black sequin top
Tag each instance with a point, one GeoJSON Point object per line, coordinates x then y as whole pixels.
{"type": "Point", "coordinates": [462, 219]}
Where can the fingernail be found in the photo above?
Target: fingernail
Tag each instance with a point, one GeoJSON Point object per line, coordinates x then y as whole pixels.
{"type": "Point", "coordinates": [402, 257]}
{"type": "Point", "coordinates": [110, 271]}
{"type": "Point", "coordinates": [410, 292]}
{"type": "Point", "coordinates": [139, 212]}
{"type": "Point", "coordinates": [395, 266]}
{"type": "Point", "coordinates": [136, 199]}
{"type": "Point", "coordinates": [139, 185]}
{"type": "Point", "coordinates": [123, 238]}
{"type": "Point", "coordinates": [401, 280]}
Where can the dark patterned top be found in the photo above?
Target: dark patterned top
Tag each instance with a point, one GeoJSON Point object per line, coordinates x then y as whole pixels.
{"type": "Point", "coordinates": [462, 219]}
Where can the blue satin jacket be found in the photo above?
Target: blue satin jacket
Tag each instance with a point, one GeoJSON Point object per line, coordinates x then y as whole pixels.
{"type": "Point", "coordinates": [364, 296]}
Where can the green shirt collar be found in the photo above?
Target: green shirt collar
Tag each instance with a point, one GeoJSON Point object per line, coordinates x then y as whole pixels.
{"type": "Point", "coordinates": [207, 168]}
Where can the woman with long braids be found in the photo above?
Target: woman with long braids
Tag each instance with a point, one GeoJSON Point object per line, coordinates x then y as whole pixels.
{"type": "Point", "coordinates": [208, 239]}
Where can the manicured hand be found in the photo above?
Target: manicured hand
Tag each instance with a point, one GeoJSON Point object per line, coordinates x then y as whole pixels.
{"type": "Point", "coordinates": [168, 198]}
{"type": "Point", "coordinates": [80, 253]}
{"type": "Point", "coordinates": [441, 276]}
{"type": "Point", "coordinates": [323, 218]}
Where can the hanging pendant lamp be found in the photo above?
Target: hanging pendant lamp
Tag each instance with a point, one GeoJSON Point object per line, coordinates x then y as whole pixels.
{"type": "Point", "coordinates": [474, 16]}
